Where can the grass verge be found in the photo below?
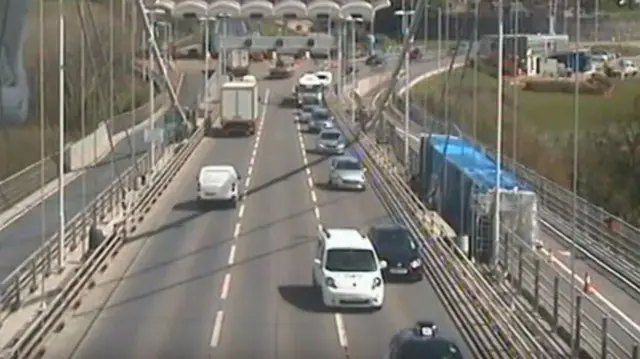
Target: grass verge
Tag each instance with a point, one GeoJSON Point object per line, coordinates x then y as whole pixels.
{"type": "Point", "coordinates": [21, 145]}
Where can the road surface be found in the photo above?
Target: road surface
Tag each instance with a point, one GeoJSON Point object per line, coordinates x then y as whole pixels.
{"type": "Point", "coordinates": [235, 283]}
{"type": "Point", "coordinates": [617, 303]}
{"type": "Point", "coordinates": [24, 235]}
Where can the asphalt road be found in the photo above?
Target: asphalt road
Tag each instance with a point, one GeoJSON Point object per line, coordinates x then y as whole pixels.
{"type": "Point", "coordinates": [616, 302]}
{"type": "Point", "coordinates": [24, 236]}
{"type": "Point", "coordinates": [236, 283]}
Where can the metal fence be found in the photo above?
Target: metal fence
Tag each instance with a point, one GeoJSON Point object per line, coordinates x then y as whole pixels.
{"type": "Point", "coordinates": [533, 274]}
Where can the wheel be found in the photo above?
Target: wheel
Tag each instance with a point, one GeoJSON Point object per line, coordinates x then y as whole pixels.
{"type": "Point", "coordinates": [314, 283]}
{"type": "Point", "coordinates": [233, 204]}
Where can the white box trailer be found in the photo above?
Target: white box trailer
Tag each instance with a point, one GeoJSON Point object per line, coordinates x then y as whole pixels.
{"type": "Point", "coordinates": [239, 106]}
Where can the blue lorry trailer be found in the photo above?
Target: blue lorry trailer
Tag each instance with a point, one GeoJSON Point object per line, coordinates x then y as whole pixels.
{"type": "Point", "coordinates": [458, 179]}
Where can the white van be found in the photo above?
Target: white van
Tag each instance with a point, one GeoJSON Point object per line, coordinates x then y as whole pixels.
{"type": "Point", "coordinates": [218, 183]}
{"type": "Point", "coordinates": [325, 78]}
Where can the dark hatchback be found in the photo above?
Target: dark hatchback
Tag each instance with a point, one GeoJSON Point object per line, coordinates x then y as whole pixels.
{"type": "Point", "coordinates": [395, 245]}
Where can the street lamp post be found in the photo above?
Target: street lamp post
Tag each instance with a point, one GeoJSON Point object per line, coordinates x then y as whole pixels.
{"type": "Point", "coordinates": [404, 15]}
{"type": "Point", "coordinates": [151, 123]}
{"type": "Point", "coordinates": [207, 47]}
{"type": "Point", "coordinates": [354, 80]}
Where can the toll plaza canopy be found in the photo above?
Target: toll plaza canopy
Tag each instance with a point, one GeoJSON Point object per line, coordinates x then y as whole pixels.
{"type": "Point", "coordinates": [288, 9]}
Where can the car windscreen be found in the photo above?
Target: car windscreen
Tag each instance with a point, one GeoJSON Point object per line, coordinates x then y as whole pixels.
{"type": "Point", "coordinates": [429, 349]}
{"type": "Point", "coordinates": [394, 240]}
{"type": "Point", "coordinates": [322, 77]}
{"type": "Point", "coordinates": [349, 165]}
{"type": "Point", "coordinates": [330, 136]}
{"type": "Point", "coordinates": [310, 99]}
{"type": "Point", "coordinates": [321, 114]}
{"type": "Point", "coordinates": [310, 89]}
{"type": "Point", "coordinates": [214, 177]}
{"type": "Point", "coordinates": [350, 260]}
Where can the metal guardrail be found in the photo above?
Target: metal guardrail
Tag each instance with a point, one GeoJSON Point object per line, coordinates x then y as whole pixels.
{"type": "Point", "coordinates": [20, 185]}
{"type": "Point", "coordinates": [491, 330]}
{"type": "Point", "coordinates": [607, 240]}
{"type": "Point", "coordinates": [51, 320]}
{"type": "Point", "coordinates": [24, 280]}
{"type": "Point", "coordinates": [533, 276]}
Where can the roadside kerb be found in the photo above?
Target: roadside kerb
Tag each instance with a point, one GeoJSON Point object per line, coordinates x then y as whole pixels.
{"type": "Point", "coordinates": [527, 274]}
{"type": "Point", "coordinates": [50, 320]}
{"type": "Point", "coordinates": [19, 192]}
{"type": "Point", "coordinates": [460, 284]}
{"type": "Point", "coordinates": [122, 218]}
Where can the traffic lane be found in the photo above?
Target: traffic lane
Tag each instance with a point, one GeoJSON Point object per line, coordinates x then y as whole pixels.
{"type": "Point", "coordinates": [271, 310]}
{"type": "Point", "coordinates": [164, 304]}
{"type": "Point", "coordinates": [591, 307]}
{"type": "Point", "coordinates": [622, 301]}
{"type": "Point", "coordinates": [25, 234]}
{"type": "Point", "coordinates": [368, 334]}
{"type": "Point", "coordinates": [624, 304]}
{"type": "Point", "coordinates": [610, 297]}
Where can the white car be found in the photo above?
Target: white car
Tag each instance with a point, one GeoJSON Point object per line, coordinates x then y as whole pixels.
{"type": "Point", "coordinates": [218, 183]}
{"type": "Point", "coordinates": [325, 78]}
{"type": "Point", "coordinates": [347, 270]}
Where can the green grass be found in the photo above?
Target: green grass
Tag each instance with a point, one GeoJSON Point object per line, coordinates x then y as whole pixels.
{"type": "Point", "coordinates": [622, 49]}
{"type": "Point", "coordinates": [548, 113]}
{"type": "Point", "coordinates": [537, 126]}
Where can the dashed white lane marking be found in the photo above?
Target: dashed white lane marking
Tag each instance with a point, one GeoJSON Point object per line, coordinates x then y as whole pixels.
{"type": "Point", "coordinates": [310, 182]}
{"type": "Point", "coordinates": [217, 328]}
{"type": "Point", "coordinates": [313, 197]}
{"type": "Point", "coordinates": [226, 282]}
{"type": "Point", "coordinates": [342, 333]}
{"type": "Point", "coordinates": [232, 255]}
{"type": "Point", "coordinates": [236, 230]}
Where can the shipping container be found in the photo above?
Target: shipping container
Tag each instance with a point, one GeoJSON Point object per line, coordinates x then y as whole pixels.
{"type": "Point", "coordinates": [458, 179]}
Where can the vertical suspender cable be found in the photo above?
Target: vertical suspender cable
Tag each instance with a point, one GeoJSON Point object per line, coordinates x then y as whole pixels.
{"type": "Point", "coordinates": [61, 129]}
{"type": "Point", "coordinates": [83, 119]}
{"type": "Point", "coordinates": [162, 66]}
{"type": "Point", "coordinates": [134, 114]}
{"type": "Point", "coordinates": [43, 154]}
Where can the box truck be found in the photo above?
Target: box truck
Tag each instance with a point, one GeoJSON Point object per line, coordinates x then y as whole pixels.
{"type": "Point", "coordinates": [239, 106]}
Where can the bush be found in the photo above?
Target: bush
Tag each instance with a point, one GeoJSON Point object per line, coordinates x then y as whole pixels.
{"type": "Point", "coordinates": [595, 85]}
{"type": "Point", "coordinates": [21, 145]}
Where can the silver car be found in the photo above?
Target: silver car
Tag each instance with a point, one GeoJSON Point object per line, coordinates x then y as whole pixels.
{"type": "Point", "coordinates": [330, 141]}
{"type": "Point", "coordinates": [347, 172]}
{"type": "Point", "coordinates": [321, 119]}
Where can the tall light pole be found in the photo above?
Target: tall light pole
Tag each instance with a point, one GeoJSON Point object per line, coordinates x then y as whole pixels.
{"type": "Point", "coordinates": [61, 129]}
{"type": "Point", "coordinates": [222, 53]}
{"type": "Point", "coordinates": [498, 180]}
{"type": "Point", "coordinates": [339, 55]}
{"type": "Point", "coordinates": [404, 15]}
{"type": "Point", "coordinates": [206, 49]}
{"type": "Point", "coordinates": [152, 90]}
{"type": "Point", "coordinates": [354, 80]}
{"type": "Point", "coordinates": [574, 185]}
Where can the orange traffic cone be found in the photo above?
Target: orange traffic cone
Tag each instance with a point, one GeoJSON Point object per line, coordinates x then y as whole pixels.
{"type": "Point", "coordinates": [588, 288]}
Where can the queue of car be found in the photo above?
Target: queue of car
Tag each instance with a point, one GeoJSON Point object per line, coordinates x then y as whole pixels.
{"type": "Point", "coordinates": [351, 266]}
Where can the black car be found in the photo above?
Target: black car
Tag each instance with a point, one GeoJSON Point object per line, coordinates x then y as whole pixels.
{"type": "Point", "coordinates": [395, 245]}
{"type": "Point", "coordinates": [421, 342]}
